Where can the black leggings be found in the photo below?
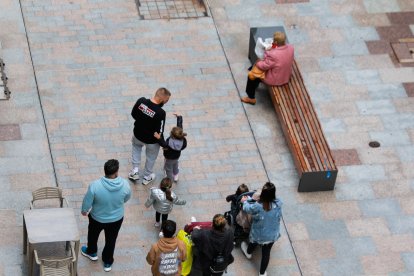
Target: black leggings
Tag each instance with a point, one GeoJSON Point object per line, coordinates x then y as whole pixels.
{"type": "Point", "coordinates": [251, 87]}
{"type": "Point", "coordinates": [265, 254]}
{"type": "Point", "coordinates": [157, 217]}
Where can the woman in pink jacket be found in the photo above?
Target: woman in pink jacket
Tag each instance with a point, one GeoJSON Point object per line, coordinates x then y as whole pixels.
{"type": "Point", "coordinates": [277, 64]}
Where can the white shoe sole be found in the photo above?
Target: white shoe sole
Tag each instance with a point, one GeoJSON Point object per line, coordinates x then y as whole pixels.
{"type": "Point", "coordinates": [89, 257]}
{"type": "Point", "coordinates": [146, 182]}
{"type": "Point", "coordinates": [243, 247]}
{"type": "Point", "coordinates": [133, 178]}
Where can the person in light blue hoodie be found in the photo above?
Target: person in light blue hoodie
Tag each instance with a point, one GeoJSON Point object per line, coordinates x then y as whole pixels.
{"type": "Point", "coordinates": [265, 229]}
{"type": "Point", "coordinates": [104, 206]}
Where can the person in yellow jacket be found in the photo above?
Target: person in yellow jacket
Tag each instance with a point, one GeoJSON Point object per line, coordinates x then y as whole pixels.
{"type": "Point", "coordinates": [166, 255]}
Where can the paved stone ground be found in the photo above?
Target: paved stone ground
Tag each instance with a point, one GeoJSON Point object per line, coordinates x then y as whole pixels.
{"type": "Point", "coordinates": [365, 226]}
{"type": "Point", "coordinates": [94, 58]}
{"type": "Point", "coordinates": [25, 161]}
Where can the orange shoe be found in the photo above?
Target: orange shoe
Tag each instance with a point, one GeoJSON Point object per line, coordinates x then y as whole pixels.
{"type": "Point", "coordinates": [248, 100]}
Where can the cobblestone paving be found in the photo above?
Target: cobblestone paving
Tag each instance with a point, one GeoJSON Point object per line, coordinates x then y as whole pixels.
{"type": "Point", "coordinates": [364, 226]}
{"type": "Point", "coordinates": [92, 63]}
{"type": "Point", "coordinates": [94, 58]}
{"type": "Point", "coordinates": [25, 161]}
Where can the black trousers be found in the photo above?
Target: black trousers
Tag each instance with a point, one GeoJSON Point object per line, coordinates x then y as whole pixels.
{"type": "Point", "coordinates": [251, 87]}
{"type": "Point", "coordinates": [111, 230]}
{"type": "Point", "coordinates": [158, 215]}
{"type": "Point", "coordinates": [265, 254]}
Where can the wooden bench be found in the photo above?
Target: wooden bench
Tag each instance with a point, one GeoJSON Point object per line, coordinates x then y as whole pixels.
{"type": "Point", "coordinates": [305, 138]}
{"type": "Point", "coordinates": [300, 124]}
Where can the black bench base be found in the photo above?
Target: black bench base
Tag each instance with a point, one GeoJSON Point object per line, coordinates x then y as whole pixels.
{"type": "Point", "coordinates": [317, 181]}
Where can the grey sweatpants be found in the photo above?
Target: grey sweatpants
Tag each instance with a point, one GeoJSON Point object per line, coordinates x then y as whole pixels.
{"type": "Point", "coordinates": [171, 168]}
{"type": "Point", "coordinates": [151, 153]}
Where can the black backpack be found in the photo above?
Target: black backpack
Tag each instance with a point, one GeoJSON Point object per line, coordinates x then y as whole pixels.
{"type": "Point", "coordinates": [219, 264]}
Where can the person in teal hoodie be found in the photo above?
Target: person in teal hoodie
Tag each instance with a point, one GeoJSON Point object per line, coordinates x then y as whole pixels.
{"type": "Point", "coordinates": [104, 206]}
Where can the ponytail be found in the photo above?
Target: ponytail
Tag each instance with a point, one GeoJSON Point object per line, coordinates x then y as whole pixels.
{"type": "Point", "coordinates": [165, 186]}
{"type": "Point", "coordinates": [168, 195]}
{"type": "Point", "coordinates": [268, 195]}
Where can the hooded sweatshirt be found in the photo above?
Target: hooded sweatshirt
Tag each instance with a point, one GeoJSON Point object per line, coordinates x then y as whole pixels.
{"type": "Point", "coordinates": [166, 246]}
{"type": "Point", "coordinates": [208, 243]}
{"type": "Point", "coordinates": [106, 197]}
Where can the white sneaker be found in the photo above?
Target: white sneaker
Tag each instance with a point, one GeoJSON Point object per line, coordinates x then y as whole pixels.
{"type": "Point", "coordinates": [157, 224]}
{"type": "Point", "coordinates": [264, 274]}
{"type": "Point", "coordinates": [193, 219]}
{"type": "Point", "coordinates": [243, 247]}
{"type": "Point", "coordinates": [133, 175]}
{"type": "Point", "coordinates": [161, 235]}
{"type": "Point", "coordinates": [148, 179]}
{"type": "Point", "coordinates": [176, 177]}
{"type": "Point", "coordinates": [107, 267]}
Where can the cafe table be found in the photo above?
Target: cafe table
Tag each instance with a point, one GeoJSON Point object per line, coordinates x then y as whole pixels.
{"type": "Point", "coordinates": [47, 226]}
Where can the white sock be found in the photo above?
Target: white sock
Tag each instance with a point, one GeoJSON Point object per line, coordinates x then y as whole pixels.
{"type": "Point", "coordinates": [135, 170]}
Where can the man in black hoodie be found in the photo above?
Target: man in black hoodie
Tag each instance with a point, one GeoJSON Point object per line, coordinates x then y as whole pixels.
{"type": "Point", "coordinates": [209, 243]}
{"type": "Point", "coordinates": [149, 118]}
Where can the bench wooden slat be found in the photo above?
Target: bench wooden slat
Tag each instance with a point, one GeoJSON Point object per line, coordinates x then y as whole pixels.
{"type": "Point", "coordinates": [311, 132]}
{"type": "Point", "coordinates": [300, 129]}
{"type": "Point", "coordinates": [301, 126]}
{"type": "Point", "coordinates": [310, 151]}
{"type": "Point", "coordinates": [290, 130]}
{"type": "Point", "coordinates": [296, 127]}
{"type": "Point", "coordinates": [315, 122]}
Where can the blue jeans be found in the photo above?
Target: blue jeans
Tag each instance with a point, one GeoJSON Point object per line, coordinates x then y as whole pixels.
{"type": "Point", "coordinates": [151, 154]}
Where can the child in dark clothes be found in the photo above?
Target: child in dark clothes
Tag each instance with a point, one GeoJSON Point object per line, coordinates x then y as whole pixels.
{"type": "Point", "coordinates": [233, 198]}
{"type": "Point", "coordinates": [172, 148]}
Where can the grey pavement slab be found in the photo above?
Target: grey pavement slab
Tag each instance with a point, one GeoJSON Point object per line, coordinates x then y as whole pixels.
{"type": "Point", "coordinates": [381, 6]}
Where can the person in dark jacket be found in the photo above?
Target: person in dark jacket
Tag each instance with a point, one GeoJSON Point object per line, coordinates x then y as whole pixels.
{"type": "Point", "coordinates": [172, 148]}
{"type": "Point", "coordinates": [149, 118]}
{"type": "Point", "coordinates": [234, 209]}
{"type": "Point", "coordinates": [209, 243]}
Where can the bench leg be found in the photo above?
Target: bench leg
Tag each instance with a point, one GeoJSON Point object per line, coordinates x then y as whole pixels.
{"type": "Point", "coordinates": [317, 181]}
